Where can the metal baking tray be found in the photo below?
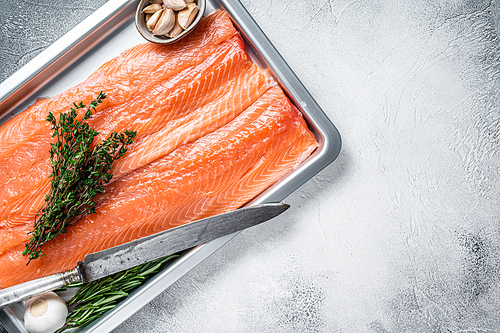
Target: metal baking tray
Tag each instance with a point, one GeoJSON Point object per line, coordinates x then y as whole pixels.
{"type": "Point", "coordinates": [102, 36]}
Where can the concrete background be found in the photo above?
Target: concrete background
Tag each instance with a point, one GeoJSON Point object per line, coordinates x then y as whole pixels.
{"type": "Point", "coordinates": [401, 232]}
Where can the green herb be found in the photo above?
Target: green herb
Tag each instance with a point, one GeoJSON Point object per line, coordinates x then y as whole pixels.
{"type": "Point", "coordinates": [79, 171]}
{"type": "Point", "coordinates": [95, 298]}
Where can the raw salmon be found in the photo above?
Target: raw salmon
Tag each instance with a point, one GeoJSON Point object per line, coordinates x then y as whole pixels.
{"type": "Point", "coordinates": [214, 131]}
{"type": "Point", "coordinates": [241, 92]}
{"type": "Point", "coordinates": [216, 173]}
{"type": "Point", "coordinates": [169, 105]}
{"type": "Point", "coordinates": [24, 138]}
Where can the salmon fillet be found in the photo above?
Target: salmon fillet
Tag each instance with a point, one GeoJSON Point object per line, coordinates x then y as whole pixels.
{"type": "Point", "coordinates": [24, 138]}
{"type": "Point", "coordinates": [170, 104]}
{"type": "Point", "coordinates": [214, 131]}
{"type": "Point", "coordinates": [19, 215]}
{"type": "Point", "coordinates": [214, 174]}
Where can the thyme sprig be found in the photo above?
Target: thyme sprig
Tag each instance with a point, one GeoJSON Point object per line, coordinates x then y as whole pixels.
{"type": "Point", "coordinates": [95, 298]}
{"type": "Point", "coordinates": [79, 171]}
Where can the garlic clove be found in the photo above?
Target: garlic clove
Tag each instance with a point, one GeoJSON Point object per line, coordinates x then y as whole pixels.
{"type": "Point", "coordinates": [45, 313]}
{"type": "Point", "coordinates": [148, 16]}
{"type": "Point", "coordinates": [165, 23]}
{"type": "Point", "coordinates": [187, 15]}
{"type": "Point", "coordinates": [151, 9]}
{"type": "Point", "coordinates": [151, 22]}
{"type": "Point", "coordinates": [152, 2]}
{"type": "Point", "coordinates": [177, 29]}
{"type": "Point", "coordinates": [175, 4]}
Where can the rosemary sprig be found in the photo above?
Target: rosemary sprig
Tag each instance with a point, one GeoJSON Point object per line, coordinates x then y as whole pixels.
{"type": "Point", "coordinates": [95, 298]}
{"type": "Point", "coordinates": [79, 171]}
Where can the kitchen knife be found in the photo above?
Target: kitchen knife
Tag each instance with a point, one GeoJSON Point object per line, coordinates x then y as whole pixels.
{"type": "Point", "coordinates": [103, 263]}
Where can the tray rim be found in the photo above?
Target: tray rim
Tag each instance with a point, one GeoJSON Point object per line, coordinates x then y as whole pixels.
{"type": "Point", "coordinates": [79, 40]}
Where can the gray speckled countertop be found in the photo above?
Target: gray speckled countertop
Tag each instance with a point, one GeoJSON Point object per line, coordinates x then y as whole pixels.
{"type": "Point", "coordinates": [402, 232]}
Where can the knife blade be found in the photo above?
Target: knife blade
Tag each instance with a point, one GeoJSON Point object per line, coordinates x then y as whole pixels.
{"type": "Point", "coordinates": [104, 263]}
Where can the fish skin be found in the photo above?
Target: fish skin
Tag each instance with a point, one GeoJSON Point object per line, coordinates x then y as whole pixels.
{"type": "Point", "coordinates": [216, 173]}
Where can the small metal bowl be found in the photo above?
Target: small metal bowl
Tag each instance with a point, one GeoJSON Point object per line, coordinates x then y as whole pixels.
{"type": "Point", "coordinates": [140, 24]}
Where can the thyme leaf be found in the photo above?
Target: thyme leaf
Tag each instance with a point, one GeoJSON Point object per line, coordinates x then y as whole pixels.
{"type": "Point", "coordinates": [80, 170]}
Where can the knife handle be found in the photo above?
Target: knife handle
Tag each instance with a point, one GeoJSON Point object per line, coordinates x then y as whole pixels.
{"type": "Point", "coordinates": [25, 290]}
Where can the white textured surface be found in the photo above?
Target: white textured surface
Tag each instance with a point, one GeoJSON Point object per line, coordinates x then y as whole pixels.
{"type": "Point", "coordinates": [401, 232]}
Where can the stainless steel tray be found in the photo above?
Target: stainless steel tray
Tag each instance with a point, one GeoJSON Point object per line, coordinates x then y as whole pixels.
{"type": "Point", "coordinates": [102, 36]}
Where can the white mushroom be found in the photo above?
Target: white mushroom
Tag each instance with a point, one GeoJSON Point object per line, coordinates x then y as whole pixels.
{"type": "Point", "coordinates": [45, 313]}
